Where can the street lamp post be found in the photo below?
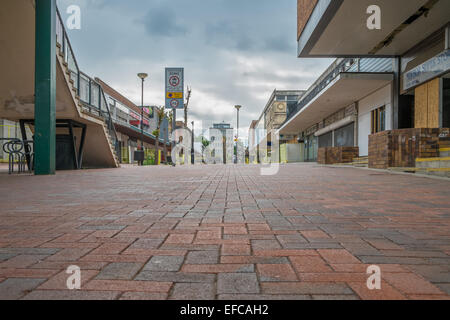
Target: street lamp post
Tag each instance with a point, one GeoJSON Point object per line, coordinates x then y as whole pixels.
{"type": "Point", "coordinates": [142, 76]}
{"type": "Point", "coordinates": [238, 107]}
{"type": "Point", "coordinates": [192, 145]}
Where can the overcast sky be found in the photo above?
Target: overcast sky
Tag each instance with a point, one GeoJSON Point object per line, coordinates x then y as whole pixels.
{"type": "Point", "coordinates": [233, 51]}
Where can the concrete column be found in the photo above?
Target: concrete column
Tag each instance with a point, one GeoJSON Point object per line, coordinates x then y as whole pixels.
{"type": "Point", "coordinates": [45, 87]}
{"type": "Point", "coordinates": [447, 37]}
{"type": "Point", "coordinates": [396, 93]}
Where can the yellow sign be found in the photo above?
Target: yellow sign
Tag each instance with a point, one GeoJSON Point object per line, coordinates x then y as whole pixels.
{"type": "Point", "coordinates": [174, 95]}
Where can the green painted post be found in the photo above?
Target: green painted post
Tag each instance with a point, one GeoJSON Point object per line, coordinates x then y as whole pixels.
{"type": "Point", "coordinates": [45, 88]}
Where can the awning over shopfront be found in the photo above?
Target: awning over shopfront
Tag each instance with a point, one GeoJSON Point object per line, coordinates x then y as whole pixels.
{"type": "Point", "coordinates": [339, 28]}
{"type": "Point", "coordinates": [345, 89]}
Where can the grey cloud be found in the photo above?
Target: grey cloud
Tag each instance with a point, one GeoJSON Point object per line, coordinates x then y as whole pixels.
{"type": "Point", "coordinates": [228, 34]}
{"type": "Point", "coordinates": [232, 53]}
{"type": "Point", "coordinates": [279, 43]}
{"type": "Point", "coordinates": [161, 21]}
{"type": "Point", "coordinates": [301, 79]}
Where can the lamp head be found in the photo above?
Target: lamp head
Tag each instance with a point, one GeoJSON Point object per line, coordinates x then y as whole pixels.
{"type": "Point", "coordinates": [142, 75]}
{"type": "Point", "coordinates": [238, 107]}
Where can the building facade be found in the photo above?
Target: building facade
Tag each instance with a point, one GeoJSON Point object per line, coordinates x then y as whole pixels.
{"type": "Point", "coordinates": [279, 105]}
{"type": "Point", "coordinates": [338, 108]}
{"type": "Point", "coordinates": [400, 72]}
{"type": "Point", "coordinates": [127, 121]}
{"type": "Point", "coordinates": [222, 142]}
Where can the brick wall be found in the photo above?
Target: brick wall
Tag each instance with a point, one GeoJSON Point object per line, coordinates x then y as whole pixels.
{"type": "Point", "coordinates": [304, 10]}
{"type": "Point", "coordinates": [334, 155]}
{"type": "Point", "coordinates": [322, 156]}
{"type": "Point", "coordinates": [401, 148]}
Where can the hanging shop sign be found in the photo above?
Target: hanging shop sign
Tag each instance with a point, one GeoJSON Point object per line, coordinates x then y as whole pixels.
{"type": "Point", "coordinates": [149, 112]}
{"type": "Point", "coordinates": [427, 71]}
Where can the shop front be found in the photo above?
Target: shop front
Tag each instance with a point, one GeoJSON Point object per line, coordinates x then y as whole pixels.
{"type": "Point", "coordinates": [429, 82]}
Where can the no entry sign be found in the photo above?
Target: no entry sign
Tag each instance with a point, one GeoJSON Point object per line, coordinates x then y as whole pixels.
{"type": "Point", "coordinates": [175, 88]}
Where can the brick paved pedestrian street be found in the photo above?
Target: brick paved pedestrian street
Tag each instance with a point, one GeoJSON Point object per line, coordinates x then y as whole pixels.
{"type": "Point", "coordinates": [224, 232]}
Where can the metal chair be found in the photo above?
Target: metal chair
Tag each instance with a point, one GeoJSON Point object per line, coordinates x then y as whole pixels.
{"type": "Point", "coordinates": [19, 151]}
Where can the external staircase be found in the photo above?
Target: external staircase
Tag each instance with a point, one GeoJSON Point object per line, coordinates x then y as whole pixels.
{"type": "Point", "coordinates": [80, 100]}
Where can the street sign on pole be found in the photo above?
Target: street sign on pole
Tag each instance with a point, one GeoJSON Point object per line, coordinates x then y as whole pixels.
{"type": "Point", "coordinates": [174, 88]}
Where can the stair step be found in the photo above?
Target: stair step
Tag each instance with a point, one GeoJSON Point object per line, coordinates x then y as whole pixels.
{"type": "Point", "coordinates": [439, 172]}
{"type": "Point", "coordinates": [433, 163]}
{"type": "Point", "coordinates": [403, 169]}
{"type": "Point", "coordinates": [361, 165]}
{"type": "Point", "coordinates": [433, 159]}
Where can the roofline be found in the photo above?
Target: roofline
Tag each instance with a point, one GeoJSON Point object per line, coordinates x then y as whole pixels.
{"type": "Point", "coordinates": [275, 93]}
{"type": "Point", "coordinates": [321, 16]}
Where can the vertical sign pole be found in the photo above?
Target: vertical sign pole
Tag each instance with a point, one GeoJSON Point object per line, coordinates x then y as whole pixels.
{"type": "Point", "coordinates": [174, 142]}
{"type": "Point", "coordinates": [45, 88]}
{"type": "Point", "coordinates": [142, 122]}
{"type": "Point", "coordinates": [237, 138]}
{"type": "Point", "coordinates": [174, 97]}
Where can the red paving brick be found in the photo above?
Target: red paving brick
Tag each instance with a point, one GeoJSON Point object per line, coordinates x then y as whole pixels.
{"type": "Point", "coordinates": [317, 234]}
{"type": "Point", "coordinates": [276, 272]}
{"type": "Point", "coordinates": [126, 285]}
{"type": "Point", "coordinates": [229, 232]}
{"type": "Point", "coordinates": [235, 250]}
{"type": "Point", "coordinates": [337, 256]}
{"type": "Point", "coordinates": [387, 292]}
{"type": "Point", "coordinates": [180, 238]}
{"type": "Point", "coordinates": [308, 264]}
{"type": "Point", "coordinates": [210, 234]}
{"type": "Point", "coordinates": [409, 283]}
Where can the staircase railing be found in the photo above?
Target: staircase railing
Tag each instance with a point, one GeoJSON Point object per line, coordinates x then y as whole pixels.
{"type": "Point", "coordinates": [89, 91]}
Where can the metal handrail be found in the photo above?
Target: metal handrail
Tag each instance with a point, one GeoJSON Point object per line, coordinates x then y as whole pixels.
{"type": "Point", "coordinates": [111, 124]}
{"type": "Point", "coordinates": [68, 51]}
{"type": "Point", "coordinates": [66, 45]}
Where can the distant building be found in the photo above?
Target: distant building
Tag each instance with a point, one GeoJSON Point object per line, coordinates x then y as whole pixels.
{"type": "Point", "coordinates": [226, 145]}
{"type": "Point", "coordinates": [127, 121]}
{"type": "Point", "coordinates": [281, 103]}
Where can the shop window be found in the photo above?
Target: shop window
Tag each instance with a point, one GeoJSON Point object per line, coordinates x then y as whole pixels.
{"type": "Point", "coordinates": [311, 148]}
{"type": "Point", "coordinates": [345, 136]}
{"type": "Point", "coordinates": [326, 140]}
{"type": "Point", "coordinates": [379, 120]}
{"type": "Point", "coordinates": [446, 103]}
